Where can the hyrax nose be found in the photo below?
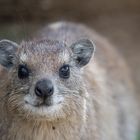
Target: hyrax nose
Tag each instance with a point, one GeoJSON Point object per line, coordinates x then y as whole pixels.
{"type": "Point", "coordinates": [44, 88]}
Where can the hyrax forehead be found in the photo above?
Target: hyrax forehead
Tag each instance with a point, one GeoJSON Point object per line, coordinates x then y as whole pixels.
{"type": "Point", "coordinates": [44, 54]}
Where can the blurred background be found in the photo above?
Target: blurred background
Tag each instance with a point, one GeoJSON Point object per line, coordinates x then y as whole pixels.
{"type": "Point", "coordinates": [117, 20]}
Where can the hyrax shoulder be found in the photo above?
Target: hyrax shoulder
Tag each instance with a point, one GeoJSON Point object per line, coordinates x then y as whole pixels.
{"type": "Point", "coordinates": [58, 90]}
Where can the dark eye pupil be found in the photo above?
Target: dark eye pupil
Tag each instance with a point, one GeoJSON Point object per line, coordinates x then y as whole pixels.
{"type": "Point", "coordinates": [64, 72]}
{"type": "Point", "coordinates": [23, 72]}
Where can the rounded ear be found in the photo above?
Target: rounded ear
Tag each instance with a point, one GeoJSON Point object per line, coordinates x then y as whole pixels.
{"type": "Point", "coordinates": [83, 51]}
{"type": "Point", "coordinates": [7, 52]}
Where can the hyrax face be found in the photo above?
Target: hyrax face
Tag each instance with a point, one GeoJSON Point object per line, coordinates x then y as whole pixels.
{"type": "Point", "coordinates": [45, 80]}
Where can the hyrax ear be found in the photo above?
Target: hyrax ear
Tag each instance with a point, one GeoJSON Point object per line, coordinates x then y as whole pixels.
{"type": "Point", "coordinates": [7, 52]}
{"type": "Point", "coordinates": [83, 51]}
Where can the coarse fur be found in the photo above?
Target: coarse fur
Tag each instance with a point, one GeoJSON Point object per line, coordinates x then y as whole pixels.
{"type": "Point", "coordinates": [95, 103]}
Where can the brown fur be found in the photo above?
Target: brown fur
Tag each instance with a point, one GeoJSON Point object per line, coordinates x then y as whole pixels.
{"type": "Point", "coordinates": [105, 109]}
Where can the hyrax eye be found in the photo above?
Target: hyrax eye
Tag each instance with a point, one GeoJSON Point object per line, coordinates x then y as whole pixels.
{"type": "Point", "coordinates": [23, 72]}
{"type": "Point", "coordinates": [64, 72]}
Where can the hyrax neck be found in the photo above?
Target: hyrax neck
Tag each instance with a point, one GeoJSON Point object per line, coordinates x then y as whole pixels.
{"type": "Point", "coordinates": [34, 130]}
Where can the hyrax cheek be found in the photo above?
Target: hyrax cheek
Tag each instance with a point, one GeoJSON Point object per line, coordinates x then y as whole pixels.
{"type": "Point", "coordinates": [57, 99]}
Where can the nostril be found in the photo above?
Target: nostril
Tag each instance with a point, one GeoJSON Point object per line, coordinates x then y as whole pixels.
{"type": "Point", "coordinates": [50, 91]}
{"type": "Point", "coordinates": [38, 92]}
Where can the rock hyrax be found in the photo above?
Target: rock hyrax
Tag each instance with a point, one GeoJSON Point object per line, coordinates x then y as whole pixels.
{"type": "Point", "coordinates": [57, 90]}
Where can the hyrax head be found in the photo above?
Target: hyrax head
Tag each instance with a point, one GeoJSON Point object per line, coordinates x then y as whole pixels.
{"type": "Point", "coordinates": [45, 79]}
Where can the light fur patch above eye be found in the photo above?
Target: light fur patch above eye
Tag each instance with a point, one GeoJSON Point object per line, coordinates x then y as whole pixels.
{"type": "Point", "coordinates": [64, 56]}
{"type": "Point", "coordinates": [23, 57]}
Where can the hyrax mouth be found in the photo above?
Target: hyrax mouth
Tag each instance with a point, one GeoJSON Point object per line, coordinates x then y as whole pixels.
{"type": "Point", "coordinates": [38, 103]}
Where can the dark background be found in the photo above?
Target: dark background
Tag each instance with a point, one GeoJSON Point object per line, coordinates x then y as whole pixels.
{"type": "Point", "coordinates": [117, 20]}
